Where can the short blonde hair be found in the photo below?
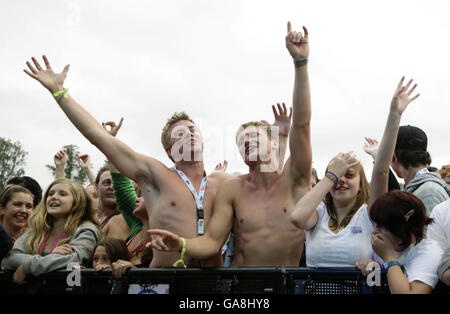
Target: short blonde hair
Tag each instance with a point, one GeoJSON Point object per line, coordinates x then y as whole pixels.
{"type": "Point", "coordinates": [266, 127]}
{"type": "Point", "coordinates": [177, 116]}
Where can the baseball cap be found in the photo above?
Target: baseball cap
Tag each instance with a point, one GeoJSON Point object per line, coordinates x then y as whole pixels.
{"type": "Point", "coordinates": [411, 138]}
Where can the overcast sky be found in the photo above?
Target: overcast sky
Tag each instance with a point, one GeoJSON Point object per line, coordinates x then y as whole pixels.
{"type": "Point", "coordinates": [224, 62]}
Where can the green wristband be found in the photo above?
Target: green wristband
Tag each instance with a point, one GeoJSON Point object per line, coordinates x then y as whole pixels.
{"type": "Point", "coordinates": [61, 92]}
{"type": "Point", "coordinates": [181, 260]}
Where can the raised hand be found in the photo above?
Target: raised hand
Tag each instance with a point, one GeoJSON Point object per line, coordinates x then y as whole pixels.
{"type": "Point", "coordinates": [84, 161]}
{"type": "Point", "coordinates": [60, 158]}
{"type": "Point", "coordinates": [113, 127]}
{"type": "Point", "coordinates": [221, 167]}
{"type": "Point", "coordinates": [371, 147]}
{"type": "Point", "coordinates": [166, 241]}
{"type": "Point", "coordinates": [52, 81]}
{"type": "Point", "coordinates": [282, 119]}
{"type": "Point", "coordinates": [402, 96]}
{"type": "Point", "coordinates": [297, 43]}
{"type": "Point", "coordinates": [341, 163]}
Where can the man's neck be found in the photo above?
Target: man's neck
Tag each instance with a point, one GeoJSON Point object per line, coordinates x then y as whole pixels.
{"type": "Point", "coordinates": [411, 172]}
{"type": "Point", "coordinates": [192, 169]}
{"type": "Point", "coordinates": [260, 177]}
{"type": "Point", "coordinates": [105, 211]}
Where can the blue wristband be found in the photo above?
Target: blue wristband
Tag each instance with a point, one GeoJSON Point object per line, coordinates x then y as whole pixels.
{"type": "Point", "coordinates": [387, 265]}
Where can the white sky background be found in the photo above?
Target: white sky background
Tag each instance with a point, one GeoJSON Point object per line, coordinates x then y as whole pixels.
{"type": "Point", "coordinates": [224, 62]}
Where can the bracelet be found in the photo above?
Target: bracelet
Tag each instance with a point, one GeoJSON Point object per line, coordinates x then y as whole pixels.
{"type": "Point", "coordinates": [299, 62]}
{"type": "Point", "coordinates": [181, 260]}
{"type": "Point", "coordinates": [332, 176]}
{"type": "Point", "coordinates": [63, 92]}
{"type": "Point", "coordinates": [388, 265]}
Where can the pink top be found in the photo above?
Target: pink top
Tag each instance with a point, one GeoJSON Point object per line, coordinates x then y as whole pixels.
{"type": "Point", "coordinates": [55, 242]}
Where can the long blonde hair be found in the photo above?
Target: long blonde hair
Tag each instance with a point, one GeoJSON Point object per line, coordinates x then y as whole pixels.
{"type": "Point", "coordinates": [41, 222]}
{"type": "Point", "coordinates": [361, 198]}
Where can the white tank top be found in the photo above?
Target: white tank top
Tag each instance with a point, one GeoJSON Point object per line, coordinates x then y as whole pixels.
{"type": "Point", "coordinates": [324, 248]}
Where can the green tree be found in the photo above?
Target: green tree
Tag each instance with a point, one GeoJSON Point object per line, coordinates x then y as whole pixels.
{"type": "Point", "coordinates": [12, 160]}
{"type": "Point", "coordinates": [72, 170]}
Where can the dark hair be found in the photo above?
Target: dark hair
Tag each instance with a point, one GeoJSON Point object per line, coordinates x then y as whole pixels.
{"type": "Point", "coordinates": [314, 174]}
{"type": "Point", "coordinates": [115, 248]}
{"type": "Point", "coordinates": [31, 184]}
{"type": "Point", "coordinates": [390, 211]}
{"type": "Point", "coordinates": [413, 158]}
{"type": "Point", "coordinates": [100, 172]}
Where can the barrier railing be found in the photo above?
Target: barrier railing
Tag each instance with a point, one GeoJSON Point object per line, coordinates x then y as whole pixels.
{"type": "Point", "coordinates": [203, 281]}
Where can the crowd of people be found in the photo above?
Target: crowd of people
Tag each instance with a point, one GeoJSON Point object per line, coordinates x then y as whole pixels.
{"type": "Point", "coordinates": [137, 212]}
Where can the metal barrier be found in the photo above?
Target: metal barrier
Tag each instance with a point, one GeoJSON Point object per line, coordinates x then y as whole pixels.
{"type": "Point", "coordinates": [202, 281]}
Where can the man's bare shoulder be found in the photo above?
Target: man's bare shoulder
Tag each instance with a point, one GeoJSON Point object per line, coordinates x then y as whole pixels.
{"type": "Point", "coordinates": [154, 171]}
{"type": "Point", "coordinates": [233, 182]}
{"type": "Point", "coordinates": [220, 175]}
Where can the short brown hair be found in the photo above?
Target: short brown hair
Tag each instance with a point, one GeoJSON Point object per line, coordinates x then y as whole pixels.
{"type": "Point", "coordinates": [177, 116]}
{"type": "Point", "coordinates": [444, 171]}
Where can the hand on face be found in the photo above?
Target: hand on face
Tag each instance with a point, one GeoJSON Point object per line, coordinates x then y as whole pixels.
{"type": "Point", "coordinates": [340, 164]}
{"type": "Point", "coordinates": [382, 245]}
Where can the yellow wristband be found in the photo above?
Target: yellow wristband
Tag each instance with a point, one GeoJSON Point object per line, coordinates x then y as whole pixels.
{"type": "Point", "coordinates": [181, 260]}
{"type": "Point", "coordinates": [61, 92]}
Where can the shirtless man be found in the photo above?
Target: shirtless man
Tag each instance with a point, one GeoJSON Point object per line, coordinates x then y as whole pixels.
{"type": "Point", "coordinates": [259, 204]}
{"type": "Point", "coordinates": [169, 201]}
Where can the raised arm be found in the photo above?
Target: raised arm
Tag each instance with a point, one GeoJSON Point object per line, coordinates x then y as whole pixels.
{"type": "Point", "coordinates": [283, 123]}
{"type": "Point", "coordinates": [211, 242]}
{"type": "Point", "coordinates": [305, 214]}
{"type": "Point", "coordinates": [380, 174]}
{"type": "Point", "coordinates": [130, 163]}
{"type": "Point", "coordinates": [299, 139]}
{"type": "Point", "coordinates": [123, 188]}
{"type": "Point", "coordinates": [60, 160]}
{"type": "Point", "coordinates": [371, 148]}
{"type": "Point", "coordinates": [84, 161]}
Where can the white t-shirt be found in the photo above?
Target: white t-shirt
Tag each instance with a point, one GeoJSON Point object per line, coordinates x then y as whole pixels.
{"type": "Point", "coordinates": [439, 230]}
{"type": "Point", "coordinates": [421, 261]}
{"type": "Point", "coordinates": [324, 248]}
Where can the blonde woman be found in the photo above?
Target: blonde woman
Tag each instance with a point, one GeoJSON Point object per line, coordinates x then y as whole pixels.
{"type": "Point", "coordinates": [335, 216]}
{"type": "Point", "coordinates": [63, 229]}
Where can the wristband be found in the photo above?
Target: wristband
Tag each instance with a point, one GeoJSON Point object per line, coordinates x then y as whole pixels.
{"type": "Point", "coordinates": [299, 62]}
{"type": "Point", "coordinates": [181, 260]}
{"type": "Point", "coordinates": [387, 265]}
{"type": "Point", "coordinates": [61, 92]}
{"type": "Point", "coordinates": [332, 176]}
